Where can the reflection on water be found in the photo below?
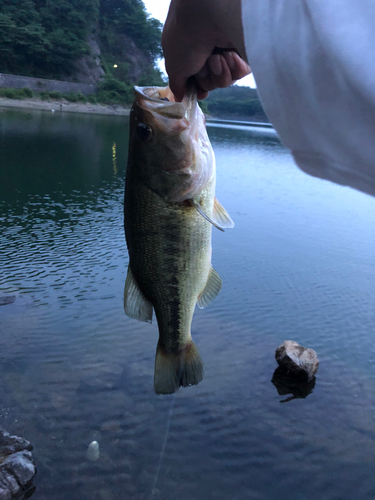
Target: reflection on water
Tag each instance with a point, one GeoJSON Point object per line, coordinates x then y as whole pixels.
{"type": "Point", "coordinates": [114, 159]}
{"type": "Point", "coordinates": [299, 264]}
{"type": "Point", "coordinates": [287, 384]}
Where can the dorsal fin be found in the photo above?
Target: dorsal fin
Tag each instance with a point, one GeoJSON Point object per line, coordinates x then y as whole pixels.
{"type": "Point", "coordinates": [136, 306]}
{"type": "Point", "coordinates": [211, 290]}
{"type": "Point", "coordinates": [204, 215]}
{"type": "Point", "coordinates": [221, 216]}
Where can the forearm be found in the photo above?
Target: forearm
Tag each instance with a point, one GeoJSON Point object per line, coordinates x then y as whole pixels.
{"type": "Point", "coordinates": [313, 64]}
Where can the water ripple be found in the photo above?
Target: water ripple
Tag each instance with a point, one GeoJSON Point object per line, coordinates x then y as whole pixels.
{"type": "Point", "coordinates": [299, 264]}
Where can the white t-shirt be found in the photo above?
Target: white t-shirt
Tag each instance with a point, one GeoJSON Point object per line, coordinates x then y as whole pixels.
{"type": "Point", "coordinates": [314, 64]}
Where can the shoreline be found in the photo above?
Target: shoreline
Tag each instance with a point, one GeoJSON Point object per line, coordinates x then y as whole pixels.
{"type": "Point", "coordinates": [64, 106]}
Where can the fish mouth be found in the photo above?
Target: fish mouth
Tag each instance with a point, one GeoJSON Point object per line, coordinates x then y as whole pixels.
{"type": "Point", "coordinates": [180, 132]}
{"type": "Point", "coordinates": [161, 101]}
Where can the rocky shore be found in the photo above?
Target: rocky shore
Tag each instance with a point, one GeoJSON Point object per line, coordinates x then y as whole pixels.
{"type": "Point", "coordinates": [17, 468]}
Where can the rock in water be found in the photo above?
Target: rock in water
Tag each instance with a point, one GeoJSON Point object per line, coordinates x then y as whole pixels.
{"type": "Point", "coordinates": [92, 452]}
{"type": "Point", "coordinates": [16, 466]}
{"type": "Point", "coordinates": [286, 383]}
{"type": "Point", "coordinates": [299, 361]}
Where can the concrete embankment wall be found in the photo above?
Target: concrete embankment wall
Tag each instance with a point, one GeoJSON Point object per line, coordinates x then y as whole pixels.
{"type": "Point", "coordinates": [42, 84]}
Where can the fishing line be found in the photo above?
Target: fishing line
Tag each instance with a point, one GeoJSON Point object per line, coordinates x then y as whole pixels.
{"type": "Point", "coordinates": [164, 444]}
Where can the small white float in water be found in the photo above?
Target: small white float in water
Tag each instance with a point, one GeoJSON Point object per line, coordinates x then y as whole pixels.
{"type": "Point", "coordinates": [92, 452]}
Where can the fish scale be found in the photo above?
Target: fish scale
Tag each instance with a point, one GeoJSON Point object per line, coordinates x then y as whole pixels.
{"type": "Point", "coordinates": [171, 258]}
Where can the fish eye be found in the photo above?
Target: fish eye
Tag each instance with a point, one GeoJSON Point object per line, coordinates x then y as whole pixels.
{"type": "Point", "coordinates": [144, 132]}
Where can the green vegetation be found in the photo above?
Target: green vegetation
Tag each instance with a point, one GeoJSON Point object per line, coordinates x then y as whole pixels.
{"type": "Point", "coordinates": [235, 102]}
{"type": "Point", "coordinates": [124, 21]}
{"type": "Point", "coordinates": [204, 107]}
{"type": "Point", "coordinates": [24, 93]}
{"type": "Point", "coordinates": [54, 94]}
{"type": "Point", "coordinates": [152, 78]}
{"type": "Point", "coordinates": [112, 91]}
{"type": "Point", "coordinates": [45, 38]}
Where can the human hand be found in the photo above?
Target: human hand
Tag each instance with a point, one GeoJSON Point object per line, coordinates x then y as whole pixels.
{"type": "Point", "coordinates": [204, 39]}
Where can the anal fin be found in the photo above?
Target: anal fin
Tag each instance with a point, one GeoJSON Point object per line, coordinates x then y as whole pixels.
{"type": "Point", "coordinates": [211, 290]}
{"type": "Point", "coordinates": [136, 306]}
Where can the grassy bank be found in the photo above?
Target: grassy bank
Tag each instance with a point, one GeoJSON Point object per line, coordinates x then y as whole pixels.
{"type": "Point", "coordinates": [108, 102]}
{"type": "Point", "coordinates": [64, 106]}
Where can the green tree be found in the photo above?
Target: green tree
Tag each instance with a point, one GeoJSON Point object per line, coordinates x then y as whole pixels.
{"type": "Point", "coordinates": [235, 102]}
{"type": "Point", "coordinates": [67, 24]}
{"type": "Point", "coordinates": [23, 42]}
{"type": "Point", "coordinates": [46, 38]}
{"type": "Point", "coordinates": [129, 17]}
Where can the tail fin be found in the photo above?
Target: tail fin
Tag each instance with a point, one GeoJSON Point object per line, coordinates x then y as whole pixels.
{"type": "Point", "coordinates": [173, 370]}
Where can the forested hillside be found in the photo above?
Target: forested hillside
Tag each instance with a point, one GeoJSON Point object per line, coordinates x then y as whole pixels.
{"type": "Point", "coordinates": [236, 103]}
{"type": "Point", "coordinates": [57, 38]}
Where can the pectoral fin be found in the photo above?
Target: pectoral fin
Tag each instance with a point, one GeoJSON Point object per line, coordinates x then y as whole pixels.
{"type": "Point", "coordinates": [221, 216]}
{"type": "Point", "coordinates": [136, 306]}
{"type": "Point", "coordinates": [211, 290]}
{"type": "Point", "coordinates": [204, 215]}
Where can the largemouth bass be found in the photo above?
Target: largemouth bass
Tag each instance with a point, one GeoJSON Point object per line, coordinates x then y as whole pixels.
{"type": "Point", "coordinates": [169, 209]}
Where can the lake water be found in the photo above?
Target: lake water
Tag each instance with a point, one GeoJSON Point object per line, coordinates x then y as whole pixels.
{"type": "Point", "coordinates": [299, 264]}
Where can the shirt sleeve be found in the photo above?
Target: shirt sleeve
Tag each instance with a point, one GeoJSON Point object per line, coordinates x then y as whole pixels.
{"type": "Point", "coordinates": [314, 64]}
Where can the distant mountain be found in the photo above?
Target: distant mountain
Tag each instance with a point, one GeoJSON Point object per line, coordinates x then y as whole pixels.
{"type": "Point", "coordinates": [235, 103]}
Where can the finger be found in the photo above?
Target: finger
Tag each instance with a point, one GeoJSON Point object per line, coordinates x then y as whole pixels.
{"type": "Point", "coordinates": [204, 82]}
{"type": "Point", "coordinates": [201, 94]}
{"type": "Point", "coordinates": [238, 67]}
{"type": "Point", "coordinates": [214, 74]}
{"type": "Point", "coordinates": [220, 72]}
{"type": "Point", "coordinates": [178, 81]}
{"type": "Point", "coordinates": [178, 87]}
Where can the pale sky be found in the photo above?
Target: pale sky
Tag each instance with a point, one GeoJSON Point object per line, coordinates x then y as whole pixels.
{"type": "Point", "coordinates": [159, 10]}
